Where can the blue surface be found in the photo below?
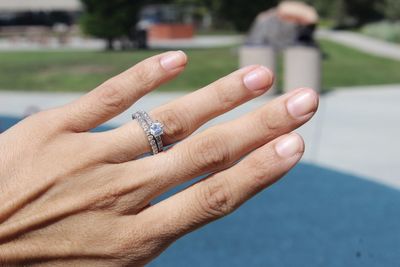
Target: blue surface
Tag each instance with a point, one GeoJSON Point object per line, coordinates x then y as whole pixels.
{"type": "Point", "coordinates": [313, 217]}
{"type": "Point", "coordinates": [7, 122]}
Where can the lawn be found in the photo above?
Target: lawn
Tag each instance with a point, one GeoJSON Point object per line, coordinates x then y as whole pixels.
{"type": "Point", "coordinates": [82, 71]}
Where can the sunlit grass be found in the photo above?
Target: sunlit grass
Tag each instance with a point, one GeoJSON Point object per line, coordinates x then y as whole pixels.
{"type": "Point", "coordinates": [82, 71]}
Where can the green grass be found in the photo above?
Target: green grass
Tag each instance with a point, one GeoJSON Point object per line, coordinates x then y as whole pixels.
{"type": "Point", "coordinates": [344, 67]}
{"type": "Point", "coordinates": [82, 71]}
{"type": "Point", "coordinates": [217, 32]}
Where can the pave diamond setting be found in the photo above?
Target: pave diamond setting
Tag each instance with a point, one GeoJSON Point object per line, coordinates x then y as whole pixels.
{"type": "Point", "coordinates": [156, 129]}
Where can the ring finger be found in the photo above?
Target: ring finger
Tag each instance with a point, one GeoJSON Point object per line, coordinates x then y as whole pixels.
{"type": "Point", "coordinates": [185, 115]}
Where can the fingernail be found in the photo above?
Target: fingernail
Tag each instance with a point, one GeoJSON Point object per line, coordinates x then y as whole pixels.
{"type": "Point", "coordinates": [288, 146]}
{"type": "Point", "coordinates": [259, 78]}
{"type": "Point", "coordinates": [302, 104]}
{"type": "Point", "coordinates": [173, 60]}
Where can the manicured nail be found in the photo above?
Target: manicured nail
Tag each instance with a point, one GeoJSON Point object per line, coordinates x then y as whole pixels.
{"type": "Point", "coordinates": [173, 60]}
{"type": "Point", "coordinates": [258, 79]}
{"type": "Point", "coordinates": [288, 146]}
{"type": "Point", "coordinates": [302, 104]}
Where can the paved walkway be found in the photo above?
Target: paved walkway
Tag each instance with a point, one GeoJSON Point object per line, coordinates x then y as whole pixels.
{"type": "Point", "coordinates": [355, 131]}
{"type": "Point", "coordinates": [198, 42]}
{"type": "Point", "coordinates": [77, 43]}
{"type": "Point", "coordinates": [363, 43]}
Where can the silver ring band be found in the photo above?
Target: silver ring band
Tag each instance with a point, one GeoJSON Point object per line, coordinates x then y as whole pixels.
{"type": "Point", "coordinates": [156, 130]}
{"type": "Point", "coordinates": [153, 130]}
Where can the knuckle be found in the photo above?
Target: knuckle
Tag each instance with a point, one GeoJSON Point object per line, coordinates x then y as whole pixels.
{"type": "Point", "coordinates": [209, 152]}
{"type": "Point", "coordinates": [111, 96]}
{"type": "Point", "coordinates": [175, 126]}
{"type": "Point", "coordinates": [258, 170]}
{"type": "Point", "coordinates": [225, 97]}
{"type": "Point", "coordinates": [269, 121]}
{"type": "Point", "coordinates": [216, 199]}
{"type": "Point", "coordinates": [137, 244]}
{"type": "Point", "coordinates": [128, 246]}
{"type": "Point", "coordinates": [143, 76]}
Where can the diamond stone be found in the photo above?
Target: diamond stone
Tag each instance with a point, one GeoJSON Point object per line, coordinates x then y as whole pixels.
{"type": "Point", "coordinates": [156, 129]}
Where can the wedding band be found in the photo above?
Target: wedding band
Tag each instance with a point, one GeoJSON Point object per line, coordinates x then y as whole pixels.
{"type": "Point", "coordinates": [156, 130]}
{"type": "Point", "coordinates": [153, 130]}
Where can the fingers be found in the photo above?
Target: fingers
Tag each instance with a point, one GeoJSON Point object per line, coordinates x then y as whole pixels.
{"type": "Point", "coordinates": [117, 94]}
{"type": "Point", "coordinates": [223, 192]}
{"type": "Point", "coordinates": [222, 145]}
{"type": "Point", "coordinates": [185, 115]}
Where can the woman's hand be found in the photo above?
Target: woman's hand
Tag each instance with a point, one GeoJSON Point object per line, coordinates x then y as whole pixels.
{"type": "Point", "coordinates": [70, 197]}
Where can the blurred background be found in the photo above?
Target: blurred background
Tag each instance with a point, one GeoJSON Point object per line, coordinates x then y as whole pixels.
{"type": "Point", "coordinates": [340, 206]}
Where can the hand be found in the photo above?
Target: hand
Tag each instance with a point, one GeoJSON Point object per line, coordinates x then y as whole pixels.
{"type": "Point", "coordinates": [70, 197]}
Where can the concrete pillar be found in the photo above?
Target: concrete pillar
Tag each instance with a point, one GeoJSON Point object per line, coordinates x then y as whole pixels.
{"type": "Point", "coordinates": [263, 55]}
{"type": "Point", "coordinates": [303, 68]}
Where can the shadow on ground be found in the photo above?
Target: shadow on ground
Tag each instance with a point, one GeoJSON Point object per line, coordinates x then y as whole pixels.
{"type": "Point", "coordinates": [313, 217]}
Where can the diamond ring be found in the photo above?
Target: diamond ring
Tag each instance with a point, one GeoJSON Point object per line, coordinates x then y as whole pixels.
{"type": "Point", "coordinates": [153, 130]}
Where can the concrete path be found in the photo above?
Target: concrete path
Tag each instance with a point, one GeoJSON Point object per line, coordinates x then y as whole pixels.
{"type": "Point", "coordinates": [361, 42]}
{"type": "Point", "coordinates": [355, 131]}
{"type": "Point", "coordinates": [198, 42]}
{"type": "Point", "coordinates": [77, 43]}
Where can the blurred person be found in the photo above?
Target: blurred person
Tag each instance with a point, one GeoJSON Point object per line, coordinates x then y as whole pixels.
{"type": "Point", "coordinates": [290, 23]}
{"type": "Point", "coordinates": [69, 197]}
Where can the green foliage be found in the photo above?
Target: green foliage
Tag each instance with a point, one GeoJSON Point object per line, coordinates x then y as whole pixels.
{"type": "Point", "coordinates": [348, 13]}
{"type": "Point", "coordinates": [364, 10]}
{"type": "Point", "coordinates": [238, 13]}
{"type": "Point", "coordinates": [111, 19]}
{"type": "Point", "coordinates": [392, 9]}
{"type": "Point", "coordinates": [108, 19]}
{"type": "Point", "coordinates": [345, 12]}
{"type": "Point", "coordinates": [386, 30]}
{"type": "Point", "coordinates": [325, 8]}
{"type": "Point", "coordinates": [242, 13]}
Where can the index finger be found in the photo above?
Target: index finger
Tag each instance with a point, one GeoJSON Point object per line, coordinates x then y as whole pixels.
{"type": "Point", "coordinates": [120, 92]}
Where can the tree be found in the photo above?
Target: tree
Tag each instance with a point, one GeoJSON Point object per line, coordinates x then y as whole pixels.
{"type": "Point", "coordinates": [348, 13]}
{"type": "Point", "coordinates": [364, 11]}
{"type": "Point", "coordinates": [392, 9]}
{"type": "Point", "coordinates": [114, 19]}
{"type": "Point", "coordinates": [242, 13]}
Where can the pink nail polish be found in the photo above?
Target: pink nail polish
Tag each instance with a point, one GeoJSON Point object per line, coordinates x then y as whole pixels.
{"type": "Point", "coordinates": [289, 146]}
{"type": "Point", "coordinates": [302, 104]}
{"type": "Point", "coordinates": [258, 79]}
{"type": "Point", "coordinates": [173, 60]}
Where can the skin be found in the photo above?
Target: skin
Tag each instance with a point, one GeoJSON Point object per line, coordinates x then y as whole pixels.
{"type": "Point", "coordinates": [70, 197]}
